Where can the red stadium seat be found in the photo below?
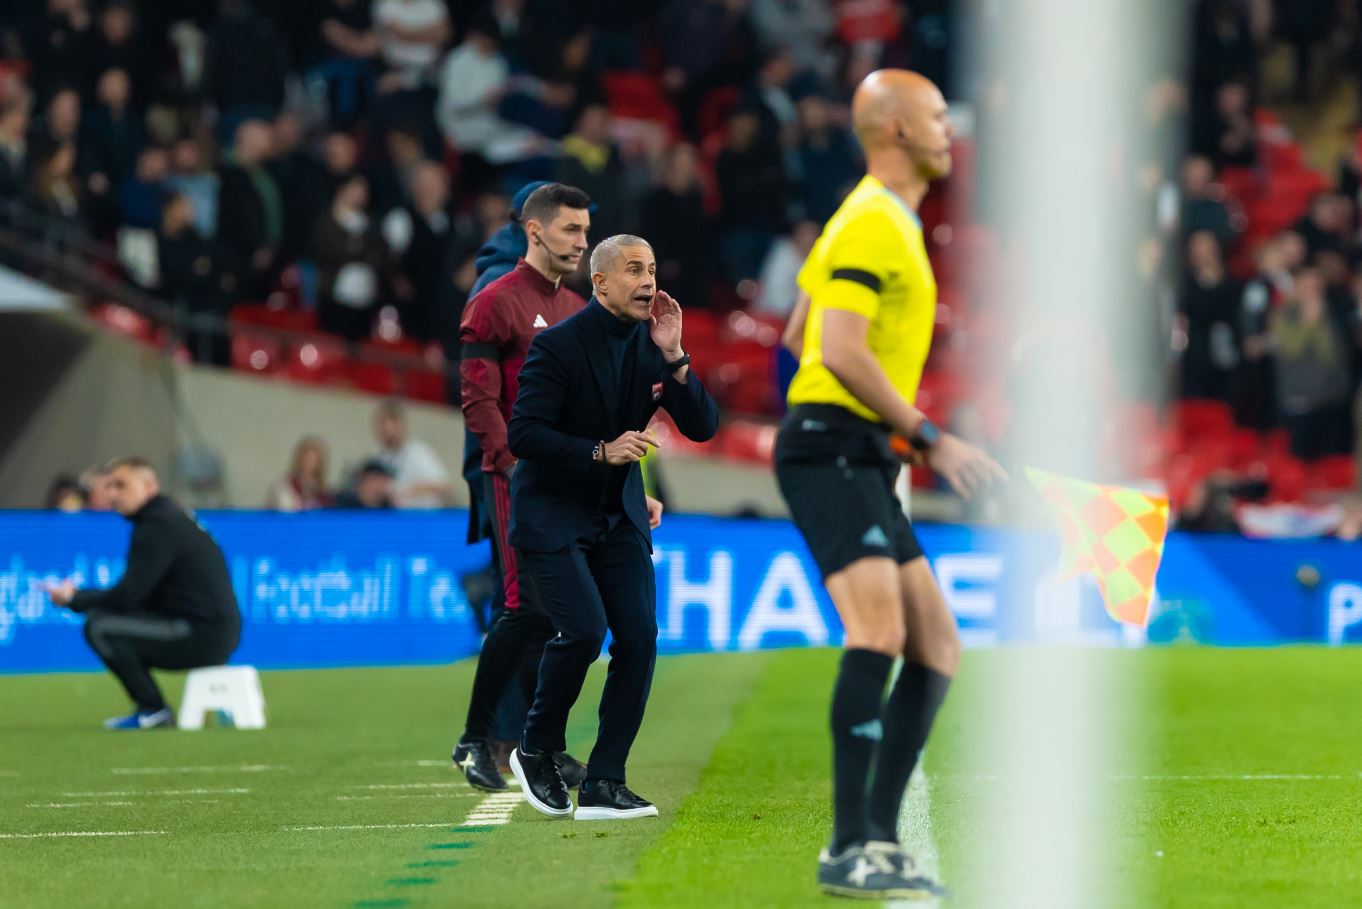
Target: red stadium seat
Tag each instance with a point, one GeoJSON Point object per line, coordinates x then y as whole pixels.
{"type": "Point", "coordinates": [638, 96]}
{"type": "Point", "coordinates": [1334, 473]}
{"type": "Point", "coordinates": [1287, 478]}
{"type": "Point", "coordinates": [425, 385]}
{"type": "Point", "coordinates": [125, 321]}
{"type": "Point", "coordinates": [375, 378]}
{"type": "Point", "coordinates": [747, 440]}
{"type": "Point", "coordinates": [1279, 156]}
{"type": "Point", "coordinates": [319, 360]}
{"type": "Point", "coordinates": [1240, 183]}
{"type": "Point", "coordinates": [700, 330]}
{"type": "Point", "coordinates": [256, 352]}
{"type": "Point", "coordinates": [744, 328]}
{"type": "Point", "coordinates": [715, 110]}
{"type": "Point", "coordinates": [1197, 417]}
{"type": "Point", "coordinates": [283, 319]}
{"type": "Point", "coordinates": [745, 380]}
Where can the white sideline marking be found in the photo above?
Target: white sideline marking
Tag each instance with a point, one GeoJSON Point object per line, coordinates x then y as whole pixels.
{"type": "Point", "coordinates": [226, 768]}
{"type": "Point", "coordinates": [492, 811]}
{"type": "Point", "coordinates": [445, 824]}
{"type": "Point", "coordinates": [426, 763]}
{"type": "Point", "coordinates": [117, 793]}
{"type": "Point", "coordinates": [915, 832]}
{"type": "Point", "coordinates": [406, 795]}
{"type": "Point", "coordinates": [495, 810]}
{"type": "Point", "coordinates": [1171, 777]}
{"type": "Point", "coordinates": [74, 804]}
{"type": "Point", "coordinates": [458, 785]}
{"type": "Point", "coordinates": [38, 836]}
{"type": "Point", "coordinates": [1244, 777]}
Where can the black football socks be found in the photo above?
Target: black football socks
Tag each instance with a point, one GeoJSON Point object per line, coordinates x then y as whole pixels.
{"type": "Point", "coordinates": [908, 717]}
{"type": "Point", "coordinates": [857, 699]}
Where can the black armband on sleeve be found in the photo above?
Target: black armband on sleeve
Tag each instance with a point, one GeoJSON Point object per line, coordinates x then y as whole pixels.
{"type": "Point", "coordinates": [480, 350]}
{"type": "Point", "coordinates": [855, 275]}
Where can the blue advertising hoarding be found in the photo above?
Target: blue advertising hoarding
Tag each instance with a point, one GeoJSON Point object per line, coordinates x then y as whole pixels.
{"type": "Point", "coordinates": [343, 589]}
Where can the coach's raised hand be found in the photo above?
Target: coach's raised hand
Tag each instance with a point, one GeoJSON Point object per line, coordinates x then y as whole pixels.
{"type": "Point", "coordinates": [664, 325]}
{"type": "Point", "coordinates": [630, 446]}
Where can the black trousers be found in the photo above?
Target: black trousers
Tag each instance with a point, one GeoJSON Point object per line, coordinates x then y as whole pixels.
{"type": "Point", "coordinates": [131, 644]}
{"type": "Point", "coordinates": [514, 645]}
{"type": "Point", "coordinates": [597, 584]}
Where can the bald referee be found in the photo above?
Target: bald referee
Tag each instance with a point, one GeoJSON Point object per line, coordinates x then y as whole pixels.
{"type": "Point", "coordinates": [862, 329]}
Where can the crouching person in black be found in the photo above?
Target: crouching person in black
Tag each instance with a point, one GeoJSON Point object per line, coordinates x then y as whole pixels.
{"type": "Point", "coordinates": [173, 608]}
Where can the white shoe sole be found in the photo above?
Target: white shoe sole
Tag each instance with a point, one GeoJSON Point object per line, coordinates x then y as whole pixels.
{"type": "Point", "coordinates": [613, 814]}
{"type": "Point", "coordinates": [891, 893]}
{"type": "Point", "coordinates": [529, 796]}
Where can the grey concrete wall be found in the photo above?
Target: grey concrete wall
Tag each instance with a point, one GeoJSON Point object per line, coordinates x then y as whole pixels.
{"type": "Point", "coordinates": [72, 397]}
{"type": "Point", "coordinates": [254, 422]}
{"type": "Point", "coordinates": [76, 395]}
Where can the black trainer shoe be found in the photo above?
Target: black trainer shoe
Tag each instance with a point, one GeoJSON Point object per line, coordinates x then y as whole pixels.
{"type": "Point", "coordinates": [474, 758]}
{"type": "Point", "coordinates": [866, 873]}
{"type": "Point", "coordinates": [573, 770]}
{"type": "Point", "coordinates": [542, 783]}
{"type": "Point", "coordinates": [610, 800]}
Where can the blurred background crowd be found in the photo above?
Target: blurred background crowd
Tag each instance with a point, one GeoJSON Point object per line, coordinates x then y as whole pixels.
{"type": "Point", "coordinates": [311, 188]}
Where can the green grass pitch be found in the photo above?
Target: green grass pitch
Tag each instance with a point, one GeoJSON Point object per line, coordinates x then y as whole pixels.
{"type": "Point", "coordinates": [1244, 792]}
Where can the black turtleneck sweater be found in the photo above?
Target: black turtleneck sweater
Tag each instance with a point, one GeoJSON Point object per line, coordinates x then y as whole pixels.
{"type": "Point", "coordinates": [618, 335]}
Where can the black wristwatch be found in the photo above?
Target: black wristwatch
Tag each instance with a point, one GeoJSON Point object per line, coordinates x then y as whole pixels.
{"type": "Point", "coordinates": [926, 435]}
{"type": "Point", "coordinates": [674, 365]}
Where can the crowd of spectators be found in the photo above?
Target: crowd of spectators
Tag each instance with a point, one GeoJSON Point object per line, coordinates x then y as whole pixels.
{"type": "Point", "coordinates": [358, 154]}
{"type": "Point", "coordinates": [367, 148]}
{"type": "Point", "coordinates": [1267, 321]}
{"type": "Point", "coordinates": [401, 472]}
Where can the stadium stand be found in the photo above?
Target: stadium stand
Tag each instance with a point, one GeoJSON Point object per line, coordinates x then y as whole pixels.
{"type": "Point", "coordinates": [678, 128]}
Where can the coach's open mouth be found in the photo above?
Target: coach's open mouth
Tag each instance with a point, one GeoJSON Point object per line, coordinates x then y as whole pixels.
{"type": "Point", "coordinates": [643, 297]}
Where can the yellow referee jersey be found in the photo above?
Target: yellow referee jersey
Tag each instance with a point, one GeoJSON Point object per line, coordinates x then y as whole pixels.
{"type": "Point", "coordinates": [869, 260]}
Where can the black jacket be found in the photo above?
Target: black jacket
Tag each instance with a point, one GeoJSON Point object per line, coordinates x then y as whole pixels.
{"type": "Point", "coordinates": [242, 227]}
{"type": "Point", "coordinates": [175, 569]}
{"type": "Point", "coordinates": [565, 406]}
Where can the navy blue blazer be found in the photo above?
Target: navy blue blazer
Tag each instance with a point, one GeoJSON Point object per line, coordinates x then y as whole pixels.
{"type": "Point", "coordinates": [567, 403]}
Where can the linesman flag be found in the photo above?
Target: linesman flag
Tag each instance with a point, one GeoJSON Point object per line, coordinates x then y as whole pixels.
{"type": "Point", "coordinates": [1112, 532]}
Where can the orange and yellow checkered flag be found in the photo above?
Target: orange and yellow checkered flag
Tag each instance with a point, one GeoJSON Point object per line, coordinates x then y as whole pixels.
{"type": "Point", "coordinates": [1115, 533]}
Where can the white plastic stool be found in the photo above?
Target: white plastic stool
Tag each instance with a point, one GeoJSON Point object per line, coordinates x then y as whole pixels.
{"type": "Point", "coordinates": [234, 690]}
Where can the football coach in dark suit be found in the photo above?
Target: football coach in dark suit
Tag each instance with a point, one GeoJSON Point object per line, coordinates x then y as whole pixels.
{"type": "Point", "coordinates": [579, 522]}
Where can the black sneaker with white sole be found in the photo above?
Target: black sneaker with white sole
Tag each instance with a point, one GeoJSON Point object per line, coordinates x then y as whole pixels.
{"type": "Point", "coordinates": [610, 800]}
{"type": "Point", "coordinates": [541, 782]}
{"type": "Point", "coordinates": [474, 757]}
{"type": "Point", "coordinates": [572, 770]}
{"type": "Point", "coordinates": [868, 872]}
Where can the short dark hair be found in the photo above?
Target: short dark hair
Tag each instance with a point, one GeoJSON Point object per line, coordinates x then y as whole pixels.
{"type": "Point", "coordinates": [375, 466]}
{"type": "Point", "coordinates": [544, 202]}
{"type": "Point", "coordinates": [61, 485]}
{"type": "Point", "coordinates": [137, 462]}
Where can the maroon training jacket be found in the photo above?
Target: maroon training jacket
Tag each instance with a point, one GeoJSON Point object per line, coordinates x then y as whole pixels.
{"type": "Point", "coordinates": [494, 337]}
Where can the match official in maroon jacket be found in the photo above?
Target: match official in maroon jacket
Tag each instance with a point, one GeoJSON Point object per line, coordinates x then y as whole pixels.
{"type": "Point", "coordinates": [498, 326]}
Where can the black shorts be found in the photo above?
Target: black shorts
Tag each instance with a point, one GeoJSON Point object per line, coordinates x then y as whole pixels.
{"type": "Point", "coordinates": [837, 474]}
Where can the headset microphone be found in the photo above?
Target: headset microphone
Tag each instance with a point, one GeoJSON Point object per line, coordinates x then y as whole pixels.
{"type": "Point", "coordinates": [549, 249]}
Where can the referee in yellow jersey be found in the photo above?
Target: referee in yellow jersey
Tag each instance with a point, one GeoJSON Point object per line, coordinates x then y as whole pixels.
{"type": "Point", "coordinates": [862, 329]}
